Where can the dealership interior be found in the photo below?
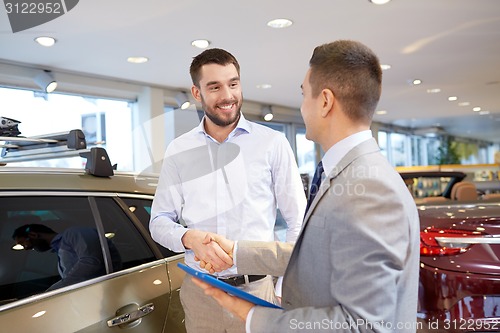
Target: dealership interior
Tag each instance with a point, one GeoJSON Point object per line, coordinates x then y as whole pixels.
{"type": "Point", "coordinates": [114, 77]}
{"type": "Point", "coordinates": [121, 76]}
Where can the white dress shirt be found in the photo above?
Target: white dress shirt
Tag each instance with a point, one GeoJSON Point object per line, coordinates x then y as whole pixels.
{"type": "Point", "coordinates": [230, 188]}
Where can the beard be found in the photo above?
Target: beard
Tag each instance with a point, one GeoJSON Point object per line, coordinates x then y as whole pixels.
{"type": "Point", "coordinates": [219, 118]}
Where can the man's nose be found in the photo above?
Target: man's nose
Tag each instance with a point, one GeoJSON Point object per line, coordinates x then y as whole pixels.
{"type": "Point", "coordinates": [226, 92]}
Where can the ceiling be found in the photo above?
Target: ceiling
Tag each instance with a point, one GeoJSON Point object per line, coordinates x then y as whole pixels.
{"type": "Point", "coordinates": [452, 45]}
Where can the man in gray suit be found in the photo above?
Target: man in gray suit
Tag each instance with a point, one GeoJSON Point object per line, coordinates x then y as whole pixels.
{"type": "Point", "coordinates": [354, 267]}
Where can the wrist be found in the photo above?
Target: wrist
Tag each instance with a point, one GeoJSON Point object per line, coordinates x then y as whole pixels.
{"type": "Point", "coordinates": [187, 239]}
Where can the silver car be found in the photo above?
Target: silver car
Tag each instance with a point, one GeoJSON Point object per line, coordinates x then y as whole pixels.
{"type": "Point", "coordinates": [140, 293]}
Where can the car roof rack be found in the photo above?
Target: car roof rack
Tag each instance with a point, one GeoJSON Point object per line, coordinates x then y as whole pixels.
{"type": "Point", "coordinates": [98, 163]}
{"type": "Point", "coordinates": [57, 145]}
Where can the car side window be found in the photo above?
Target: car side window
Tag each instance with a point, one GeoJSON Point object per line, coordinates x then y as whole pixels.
{"type": "Point", "coordinates": [67, 246]}
{"type": "Point", "coordinates": [120, 230]}
{"type": "Point", "coordinates": [142, 209]}
{"type": "Point", "coordinates": [56, 228]}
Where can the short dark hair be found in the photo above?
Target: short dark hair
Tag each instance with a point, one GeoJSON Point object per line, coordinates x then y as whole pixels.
{"type": "Point", "coordinates": [352, 72]}
{"type": "Point", "coordinates": [24, 230]}
{"type": "Point", "coordinates": [211, 56]}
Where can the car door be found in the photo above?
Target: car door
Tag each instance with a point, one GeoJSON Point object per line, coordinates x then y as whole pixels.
{"type": "Point", "coordinates": [140, 207]}
{"type": "Point", "coordinates": [132, 293]}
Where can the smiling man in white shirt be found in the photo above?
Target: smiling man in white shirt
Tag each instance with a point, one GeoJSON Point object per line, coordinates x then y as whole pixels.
{"type": "Point", "coordinates": [226, 176]}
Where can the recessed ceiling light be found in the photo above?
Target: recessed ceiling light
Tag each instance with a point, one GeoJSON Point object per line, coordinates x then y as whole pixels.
{"type": "Point", "coordinates": [476, 109]}
{"type": "Point", "coordinates": [452, 98]}
{"type": "Point", "coordinates": [381, 112]}
{"type": "Point", "coordinates": [45, 41]}
{"type": "Point", "coordinates": [200, 43]}
{"type": "Point", "coordinates": [379, 2]}
{"type": "Point", "coordinates": [264, 86]}
{"type": "Point", "coordinates": [416, 82]}
{"type": "Point", "coordinates": [434, 91]}
{"type": "Point", "coordinates": [463, 104]}
{"type": "Point", "coordinates": [483, 113]}
{"type": "Point", "coordinates": [137, 60]}
{"type": "Point", "coordinates": [385, 67]}
{"type": "Point", "coordinates": [279, 23]}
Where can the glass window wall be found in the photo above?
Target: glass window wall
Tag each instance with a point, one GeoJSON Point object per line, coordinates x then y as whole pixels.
{"type": "Point", "coordinates": [105, 122]}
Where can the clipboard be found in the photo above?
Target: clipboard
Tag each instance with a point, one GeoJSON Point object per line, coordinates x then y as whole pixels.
{"type": "Point", "coordinates": [227, 287]}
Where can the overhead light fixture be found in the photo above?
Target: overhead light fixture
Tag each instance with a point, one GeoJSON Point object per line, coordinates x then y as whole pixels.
{"type": "Point", "coordinates": [200, 43]}
{"type": "Point", "coordinates": [452, 98]}
{"type": "Point", "coordinates": [416, 82]}
{"type": "Point", "coordinates": [433, 91]}
{"type": "Point", "coordinates": [137, 60]}
{"type": "Point", "coordinates": [267, 113]}
{"type": "Point", "coordinates": [45, 41]}
{"type": "Point", "coordinates": [430, 131]}
{"type": "Point", "coordinates": [46, 81]}
{"type": "Point", "coordinates": [379, 2]}
{"type": "Point", "coordinates": [385, 66]}
{"type": "Point", "coordinates": [476, 109]}
{"type": "Point", "coordinates": [182, 100]}
{"type": "Point", "coordinates": [264, 86]}
{"type": "Point", "coordinates": [279, 23]}
{"type": "Point", "coordinates": [381, 112]}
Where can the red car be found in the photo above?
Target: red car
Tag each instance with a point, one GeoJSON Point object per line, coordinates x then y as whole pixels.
{"type": "Point", "coordinates": [459, 259]}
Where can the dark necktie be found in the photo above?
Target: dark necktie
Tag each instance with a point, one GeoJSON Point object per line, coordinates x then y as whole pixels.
{"type": "Point", "coordinates": [316, 182]}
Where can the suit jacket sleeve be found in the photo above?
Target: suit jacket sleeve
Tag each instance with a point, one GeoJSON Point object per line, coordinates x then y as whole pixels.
{"type": "Point", "coordinates": [266, 258]}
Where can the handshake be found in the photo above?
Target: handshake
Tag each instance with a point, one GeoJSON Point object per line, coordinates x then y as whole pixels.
{"type": "Point", "coordinates": [214, 252]}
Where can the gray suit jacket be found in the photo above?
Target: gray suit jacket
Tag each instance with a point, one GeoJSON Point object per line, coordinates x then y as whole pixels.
{"type": "Point", "coordinates": [354, 267]}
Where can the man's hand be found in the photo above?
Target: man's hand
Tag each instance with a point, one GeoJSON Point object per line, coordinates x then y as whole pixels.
{"type": "Point", "coordinates": [235, 305]}
{"type": "Point", "coordinates": [207, 251]}
{"type": "Point", "coordinates": [226, 244]}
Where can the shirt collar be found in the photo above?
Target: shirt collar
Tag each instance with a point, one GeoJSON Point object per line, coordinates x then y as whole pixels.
{"type": "Point", "coordinates": [242, 127]}
{"type": "Point", "coordinates": [335, 154]}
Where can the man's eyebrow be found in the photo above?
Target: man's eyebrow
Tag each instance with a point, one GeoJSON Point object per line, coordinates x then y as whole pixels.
{"type": "Point", "coordinates": [211, 83]}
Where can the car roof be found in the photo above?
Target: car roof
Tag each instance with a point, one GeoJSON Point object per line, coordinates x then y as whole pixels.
{"type": "Point", "coordinates": [61, 179]}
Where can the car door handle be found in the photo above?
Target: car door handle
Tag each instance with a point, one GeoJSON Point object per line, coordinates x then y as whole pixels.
{"type": "Point", "coordinates": [132, 316]}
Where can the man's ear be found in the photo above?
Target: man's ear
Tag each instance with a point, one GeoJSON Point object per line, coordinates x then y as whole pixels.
{"type": "Point", "coordinates": [195, 91]}
{"type": "Point", "coordinates": [328, 101]}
